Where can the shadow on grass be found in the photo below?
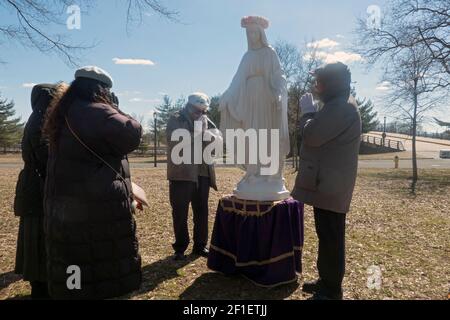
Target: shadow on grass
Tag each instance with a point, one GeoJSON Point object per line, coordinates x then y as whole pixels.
{"type": "Point", "coordinates": [158, 272]}
{"type": "Point", "coordinates": [209, 286]}
{"type": "Point", "coordinates": [8, 278]}
{"type": "Point", "coordinates": [429, 180]}
{"type": "Point", "coordinates": [19, 298]}
{"type": "Point", "coordinates": [215, 286]}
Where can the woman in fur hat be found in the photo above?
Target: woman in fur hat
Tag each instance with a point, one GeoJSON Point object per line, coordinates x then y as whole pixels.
{"type": "Point", "coordinates": [28, 204]}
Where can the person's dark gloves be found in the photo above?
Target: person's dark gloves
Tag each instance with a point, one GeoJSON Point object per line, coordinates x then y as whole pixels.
{"type": "Point", "coordinates": [114, 100]}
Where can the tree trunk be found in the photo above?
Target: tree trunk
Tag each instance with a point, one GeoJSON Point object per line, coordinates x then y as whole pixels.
{"type": "Point", "coordinates": [414, 134]}
{"type": "Point", "coordinates": [297, 145]}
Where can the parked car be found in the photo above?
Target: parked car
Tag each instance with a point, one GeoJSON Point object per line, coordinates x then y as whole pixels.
{"type": "Point", "coordinates": [444, 154]}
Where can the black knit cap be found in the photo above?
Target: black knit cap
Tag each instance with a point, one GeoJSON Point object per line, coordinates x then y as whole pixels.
{"type": "Point", "coordinates": [334, 73]}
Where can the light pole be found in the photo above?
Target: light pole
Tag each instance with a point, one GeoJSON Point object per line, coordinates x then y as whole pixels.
{"type": "Point", "coordinates": [155, 116]}
{"type": "Point", "coordinates": [384, 131]}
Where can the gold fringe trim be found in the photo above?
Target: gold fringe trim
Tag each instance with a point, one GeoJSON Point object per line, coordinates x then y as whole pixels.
{"type": "Point", "coordinates": [255, 263]}
{"type": "Point", "coordinates": [245, 203]}
{"type": "Point", "coordinates": [272, 285]}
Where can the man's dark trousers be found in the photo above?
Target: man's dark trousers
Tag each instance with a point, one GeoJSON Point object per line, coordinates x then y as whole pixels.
{"type": "Point", "coordinates": [181, 194]}
{"type": "Point", "coordinates": [330, 228]}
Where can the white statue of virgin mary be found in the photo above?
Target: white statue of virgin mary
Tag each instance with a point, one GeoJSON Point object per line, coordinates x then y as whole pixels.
{"type": "Point", "coordinates": [257, 99]}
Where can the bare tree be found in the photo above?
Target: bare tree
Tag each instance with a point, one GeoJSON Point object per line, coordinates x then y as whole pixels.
{"type": "Point", "coordinates": [430, 19]}
{"type": "Point", "coordinates": [290, 59]}
{"type": "Point", "coordinates": [442, 123]}
{"type": "Point", "coordinates": [412, 44]}
{"type": "Point", "coordinates": [407, 24]}
{"type": "Point", "coordinates": [137, 8]}
{"type": "Point", "coordinates": [413, 93]}
{"type": "Point", "coordinates": [296, 65]}
{"type": "Point", "coordinates": [33, 19]}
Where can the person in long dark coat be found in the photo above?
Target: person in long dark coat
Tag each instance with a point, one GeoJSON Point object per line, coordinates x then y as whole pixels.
{"type": "Point", "coordinates": [92, 249]}
{"type": "Point", "coordinates": [28, 203]}
{"type": "Point", "coordinates": [328, 168]}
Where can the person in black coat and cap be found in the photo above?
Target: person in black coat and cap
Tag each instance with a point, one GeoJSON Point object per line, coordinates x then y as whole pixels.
{"type": "Point", "coordinates": [28, 204]}
{"type": "Point", "coordinates": [92, 248]}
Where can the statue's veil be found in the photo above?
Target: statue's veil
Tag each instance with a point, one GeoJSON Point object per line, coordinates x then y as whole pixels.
{"type": "Point", "coordinates": [231, 107]}
{"type": "Point", "coordinates": [263, 38]}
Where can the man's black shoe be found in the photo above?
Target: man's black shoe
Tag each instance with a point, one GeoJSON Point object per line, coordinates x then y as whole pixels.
{"type": "Point", "coordinates": [325, 296]}
{"type": "Point", "coordinates": [311, 286]}
{"type": "Point", "coordinates": [179, 256]}
{"type": "Point", "coordinates": [202, 252]}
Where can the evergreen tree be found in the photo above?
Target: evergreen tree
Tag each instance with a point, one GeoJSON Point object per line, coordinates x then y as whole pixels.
{"type": "Point", "coordinates": [11, 128]}
{"type": "Point", "coordinates": [166, 110]}
{"type": "Point", "coordinates": [214, 113]}
{"type": "Point", "coordinates": [368, 115]}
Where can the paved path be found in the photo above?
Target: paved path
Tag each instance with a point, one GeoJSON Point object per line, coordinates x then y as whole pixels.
{"type": "Point", "coordinates": [421, 163]}
{"type": "Point", "coordinates": [426, 147]}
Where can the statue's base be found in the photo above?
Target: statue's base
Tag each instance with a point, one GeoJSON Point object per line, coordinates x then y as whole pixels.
{"type": "Point", "coordinates": [255, 196]}
{"type": "Point", "coordinates": [262, 241]}
{"type": "Point", "coordinates": [262, 189]}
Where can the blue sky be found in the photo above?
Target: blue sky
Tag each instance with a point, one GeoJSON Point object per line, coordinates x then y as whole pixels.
{"type": "Point", "coordinates": [200, 54]}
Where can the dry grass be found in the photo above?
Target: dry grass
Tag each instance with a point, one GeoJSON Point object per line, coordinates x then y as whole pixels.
{"type": "Point", "coordinates": [406, 235]}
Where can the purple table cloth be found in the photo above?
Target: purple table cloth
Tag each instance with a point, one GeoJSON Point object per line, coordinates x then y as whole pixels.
{"type": "Point", "coordinates": [262, 241]}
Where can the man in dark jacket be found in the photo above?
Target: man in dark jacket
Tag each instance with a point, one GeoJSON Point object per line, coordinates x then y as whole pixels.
{"type": "Point", "coordinates": [28, 202]}
{"type": "Point", "coordinates": [190, 182]}
{"type": "Point", "coordinates": [327, 172]}
{"type": "Point", "coordinates": [90, 229]}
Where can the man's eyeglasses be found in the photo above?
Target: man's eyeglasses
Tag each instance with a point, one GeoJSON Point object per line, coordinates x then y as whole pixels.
{"type": "Point", "coordinates": [198, 112]}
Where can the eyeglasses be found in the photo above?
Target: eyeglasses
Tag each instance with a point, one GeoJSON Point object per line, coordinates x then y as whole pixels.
{"type": "Point", "coordinates": [198, 112]}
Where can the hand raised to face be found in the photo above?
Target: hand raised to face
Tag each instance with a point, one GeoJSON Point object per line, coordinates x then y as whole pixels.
{"type": "Point", "coordinates": [307, 104]}
{"type": "Point", "coordinates": [114, 100]}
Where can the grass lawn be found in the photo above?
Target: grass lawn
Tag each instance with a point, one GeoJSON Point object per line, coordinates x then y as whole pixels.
{"type": "Point", "coordinates": [405, 235]}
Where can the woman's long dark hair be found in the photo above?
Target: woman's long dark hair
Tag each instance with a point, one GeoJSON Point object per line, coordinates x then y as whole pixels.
{"type": "Point", "coordinates": [83, 89]}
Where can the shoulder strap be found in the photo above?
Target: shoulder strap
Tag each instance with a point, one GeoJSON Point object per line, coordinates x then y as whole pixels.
{"type": "Point", "coordinates": [92, 151]}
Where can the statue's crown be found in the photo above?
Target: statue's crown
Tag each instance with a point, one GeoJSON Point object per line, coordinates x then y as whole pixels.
{"type": "Point", "coordinates": [249, 20]}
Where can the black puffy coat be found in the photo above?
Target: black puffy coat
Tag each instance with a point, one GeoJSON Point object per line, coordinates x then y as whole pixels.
{"type": "Point", "coordinates": [89, 222]}
{"type": "Point", "coordinates": [30, 185]}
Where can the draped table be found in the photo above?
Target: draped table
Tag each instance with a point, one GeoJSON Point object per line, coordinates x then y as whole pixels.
{"type": "Point", "coordinates": [262, 241]}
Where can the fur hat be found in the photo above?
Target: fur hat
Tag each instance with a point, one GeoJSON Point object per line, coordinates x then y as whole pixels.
{"type": "Point", "coordinates": [41, 95]}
